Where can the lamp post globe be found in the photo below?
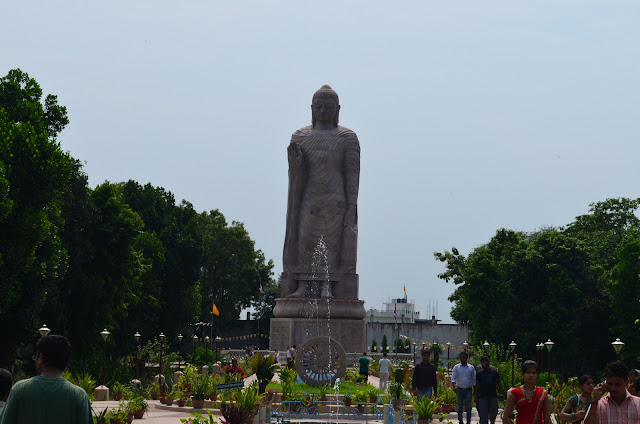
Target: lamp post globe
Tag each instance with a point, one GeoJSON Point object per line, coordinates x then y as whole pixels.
{"type": "Point", "coordinates": [44, 330]}
{"type": "Point", "coordinates": [617, 346]}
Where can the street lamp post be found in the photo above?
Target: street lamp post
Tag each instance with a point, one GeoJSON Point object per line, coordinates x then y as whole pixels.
{"type": "Point", "coordinates": [137, 337]}
{"type": "Point", "coordinates": [218, 340]}
{"type": "Point", "coordinates": [162, 336]}
{"type": "Point", "coordinates": [617, 346]}
{"type": "Point", "coordinates": [195, 340]}
{"type": "Point", "coordinates": [549, 344]}
{"type": "Point", "coordinates": [512, 345]}
{"type": "Point", "coordinates": [179, 350]}
{"type": "Point", "coordinates": [105, 334]}
{"type": "Point", "coordinates": [414, 352]}
{"type": "Point", "coordinates": [448, 363]}
{"type": "Point", "coordinates": [539, 348]}
{"type": "Point", "coordinates": [466, 345]}
{"type": "Point", "coordinates": [44, 331]}
{"type": "Point", "coordinates": [207, 340]}
{"type": "Point", "coordinates": [486, 346]}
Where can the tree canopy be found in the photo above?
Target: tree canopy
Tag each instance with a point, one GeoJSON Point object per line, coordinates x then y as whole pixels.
{"type": "Point", "coordinates": [559, 284]}
{"type": "Point", "coordinates": [121, 256]}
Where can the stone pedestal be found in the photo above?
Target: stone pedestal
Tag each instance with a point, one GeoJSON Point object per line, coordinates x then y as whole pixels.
{"type": "Point", "coordinates": [350, 333]}
{"type": "Point", "coordinates": [101, 393]}
{"type": "Point", "coordinates": [205, 369]}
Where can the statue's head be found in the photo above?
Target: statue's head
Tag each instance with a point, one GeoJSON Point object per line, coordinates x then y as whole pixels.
{"type": "Point", "coordinates": [325, 106]}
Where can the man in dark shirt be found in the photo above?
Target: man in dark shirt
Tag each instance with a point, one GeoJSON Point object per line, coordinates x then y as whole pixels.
{"type": "Point", "coordinates": [424, 381]}
{"type": "Point", "coordinates": [488, 386]}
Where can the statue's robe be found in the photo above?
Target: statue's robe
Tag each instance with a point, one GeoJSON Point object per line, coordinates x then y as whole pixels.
{"type": "Point", "coordinates": [319, 195]}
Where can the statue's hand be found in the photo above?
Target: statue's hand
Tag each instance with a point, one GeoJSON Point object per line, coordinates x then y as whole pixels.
{"type": "Point", "coordinates": [295, 157]}
{"type": "Point", "coordinates": [350, 217]}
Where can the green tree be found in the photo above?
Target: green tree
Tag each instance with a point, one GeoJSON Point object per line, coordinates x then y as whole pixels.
{"type": "Point", "coordinates": [384, 344]}
{"type": "Point", "coordinates": [34, 175]}
{"type": "Point", "coordinates": [173, 240]}
{"type": "Point", "coordinates": [624, 286]}
{"type": "Point", "coordinates": [232, 269]}
{"type": "Point", "coordinates": [536, 281]}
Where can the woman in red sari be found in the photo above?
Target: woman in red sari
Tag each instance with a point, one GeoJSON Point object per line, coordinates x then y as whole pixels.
{"type": "Point", "coordinates": [530, 402]}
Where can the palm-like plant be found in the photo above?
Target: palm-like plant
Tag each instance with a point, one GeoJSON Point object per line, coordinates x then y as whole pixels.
{"type": "Point", "coordinates": [264, 368]}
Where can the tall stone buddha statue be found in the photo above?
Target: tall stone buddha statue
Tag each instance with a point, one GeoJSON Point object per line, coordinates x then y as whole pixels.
{"type": "Point", "coordinates": [320, 247]}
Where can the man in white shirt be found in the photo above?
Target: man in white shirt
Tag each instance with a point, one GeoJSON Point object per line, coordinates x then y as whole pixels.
{"type": "Point", "coordinates": [383, 371]}
{"type": "Point", "coordinates": [463, 379]}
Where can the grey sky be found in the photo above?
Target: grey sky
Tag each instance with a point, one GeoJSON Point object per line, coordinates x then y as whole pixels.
{"type": "Point", "coordinates": [471, 115]}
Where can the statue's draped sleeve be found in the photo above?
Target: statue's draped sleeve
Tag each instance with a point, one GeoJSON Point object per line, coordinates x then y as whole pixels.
{"type": "Point", "coordinates": [351, 166]}
{"type": "Point", "coordinates": [294, 197]}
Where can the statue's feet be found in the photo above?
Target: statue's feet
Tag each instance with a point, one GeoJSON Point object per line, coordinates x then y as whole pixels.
{"type": "Point", "coordinates": [326, 291]}
{"type": "Point", "coordinates": [301, 293]}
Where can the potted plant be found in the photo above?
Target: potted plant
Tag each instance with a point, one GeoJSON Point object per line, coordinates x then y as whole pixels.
{"type": "Point", "coordinates": [117, 416]}
{"type": "Point", "coordinates": [448, 398]}
{"type": "Point", "coordinates": [347, 399]}
{"type": "Point", "coordinates": [396, 390]}
{"type": "Point", "coordinates": [361, 397]}
{"type": "Point", "coordinates": [213, 388]}
{"type": "Point", "coordinates": [138, 406]}
{"type": "Point", "coordinates": [264, 368]}
{"type": "Point", "coordinates": [101, 417]}
{"type": "Point", "coordinates": [373, 393]}
{"type": "Point", "coordinates": [234, 413]}
{"type": "Point", "coordinates": [154, 390]}
{"type": "Point", "coordinates": [117, 390]}
{"type": "Point", "coordinates": [424, 408]}
{"type": "Point", "coordinates": [173, 395]}
{"type": "Point", "coordinates": [200, 392]}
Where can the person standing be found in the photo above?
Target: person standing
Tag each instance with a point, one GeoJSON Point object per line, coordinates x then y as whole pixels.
{"type": "Point", "coordinates": [48, 397]}
{"type": "Point", "coordinates": [463, 379]}
{"type": "Point", "coordinates": [576, 407]}
{"type": "Point", "coordinates": [531, 402]}
{"type": "Point", "coordinates": [383, 371]}
{"type": "Point", "coordinates": [619, 406]}
{"type": "Point", "coordinates": [424, 381]}
{"type": "Point", "coordinates": [488, 390]}
{"type": "Point", "coordinates": [364, 365]}
{"type": "Point", "coordinates": [6, 381]}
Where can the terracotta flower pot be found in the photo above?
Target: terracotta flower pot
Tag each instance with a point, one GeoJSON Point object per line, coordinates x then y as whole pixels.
{"type": "Point", "coordinates": [181, 402]}
{"type": "Point", "coordinates": [138, 414]}
{"type": "Point", "coordinates": [117, 396]}
{"type": "Point", "coordinates": [198, 403]}
{"type": "Point", "coordinates": [155, 396]}
{"type": "Point", "coordinates": [446, 408]}
{"type": "Point", "coordinates": [398, 404]}
{"type": "Point", "coordinates": [130, 418]}
{"type": "Point", "coordinates": [168, 401]}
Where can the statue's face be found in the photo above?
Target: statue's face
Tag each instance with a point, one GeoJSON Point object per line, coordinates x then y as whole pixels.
{"type": "Point", "coordinates": [324, 110]}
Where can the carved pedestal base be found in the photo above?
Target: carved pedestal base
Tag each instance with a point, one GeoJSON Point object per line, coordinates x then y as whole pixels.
{"type": "Point", "coordinates": [350, 333]}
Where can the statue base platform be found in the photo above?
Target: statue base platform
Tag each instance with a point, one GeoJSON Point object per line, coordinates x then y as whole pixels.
{"type": "Point", "coordinates": [319, 308]}
{"type": "Point", "coordinates": [350, 333]}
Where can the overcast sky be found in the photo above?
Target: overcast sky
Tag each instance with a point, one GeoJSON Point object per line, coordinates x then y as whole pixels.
{"type": "Point", "coordinates": [471, 115]}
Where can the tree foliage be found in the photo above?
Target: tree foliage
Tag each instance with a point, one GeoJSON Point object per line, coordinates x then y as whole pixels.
{"type": "Point", "coordinates": [121, 256]}
{"type": "Point", "coordinates": [34, 176]}
{"type": "Point", "coordinates": [558, 284]}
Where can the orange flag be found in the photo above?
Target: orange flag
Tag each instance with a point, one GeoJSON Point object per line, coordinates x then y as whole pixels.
{"type": "Point", "coordinates": [215, 311]}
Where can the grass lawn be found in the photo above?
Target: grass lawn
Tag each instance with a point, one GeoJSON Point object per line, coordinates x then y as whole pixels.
{"type": "Point", "coordinates": [301, 388]}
